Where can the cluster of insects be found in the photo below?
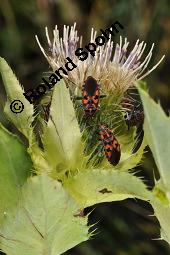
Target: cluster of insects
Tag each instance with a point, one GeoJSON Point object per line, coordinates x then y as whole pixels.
{"type": "Point", "coordinates": [91, 105]}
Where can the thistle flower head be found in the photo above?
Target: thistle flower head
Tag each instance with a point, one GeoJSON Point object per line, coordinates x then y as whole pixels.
{"type": "Point", "coordinates": [113, 66]}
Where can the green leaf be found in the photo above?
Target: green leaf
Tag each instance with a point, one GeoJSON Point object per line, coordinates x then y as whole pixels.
{"type": "Point", "coordinates": [47, 221]}
{"type": "Point", "coordinates": [157, 131]}
{"type": "Point", "coordinates": [38, 160]}
{"type": "Point", "coordinates": [14, 91]}
{"type": "Point", "coordinates": [15, 166]}
{"type": "Point", "coordinates": [62, 137]}
{"type": "Point", "coordinates": [162, 212]}
{"type": "Point", "coordinates": [128, 159]}
{"type": "Point", "coordinates": [96, 186]}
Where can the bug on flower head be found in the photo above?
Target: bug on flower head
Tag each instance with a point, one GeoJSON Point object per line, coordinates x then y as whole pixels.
{"type": "Point", "coordinates": [134, 118]}
{"type": "Point", "coordinates": [110, 144]}
{"type": "Point", "coordinates": [90, 96]}
{"type": "Point", "coordinates": [134, 115]}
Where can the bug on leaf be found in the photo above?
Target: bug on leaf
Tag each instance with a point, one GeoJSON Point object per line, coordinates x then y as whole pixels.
{"type": "Point", "coordinates": [110, 144]}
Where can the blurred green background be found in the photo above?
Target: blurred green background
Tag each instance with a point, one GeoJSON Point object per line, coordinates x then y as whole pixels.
{"type": "Point", "coordinates": [127, 227]}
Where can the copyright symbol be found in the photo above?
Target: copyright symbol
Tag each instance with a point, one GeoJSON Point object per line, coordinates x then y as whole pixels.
{"type": "Point", "coordinates": [16, 106]}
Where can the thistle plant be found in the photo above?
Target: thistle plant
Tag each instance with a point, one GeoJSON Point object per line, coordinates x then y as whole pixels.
{"type": "Point", "coordinates": [47, 183]}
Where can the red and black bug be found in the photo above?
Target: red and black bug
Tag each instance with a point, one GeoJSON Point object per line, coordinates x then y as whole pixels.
{"type": "Point", "coordinates": [110, 144]}
{"type": "Point", "coordinates": [90, 96]}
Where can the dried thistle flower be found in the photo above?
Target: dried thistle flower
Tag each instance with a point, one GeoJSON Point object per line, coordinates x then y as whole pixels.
{"type": "Point", "coordinates": [115, 68]}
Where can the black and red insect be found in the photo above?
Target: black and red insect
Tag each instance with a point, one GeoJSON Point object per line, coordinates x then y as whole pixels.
{"type": "Point", "coordinates": [90, 96]}
{"type": "Point", "coordinates": [110, 144]}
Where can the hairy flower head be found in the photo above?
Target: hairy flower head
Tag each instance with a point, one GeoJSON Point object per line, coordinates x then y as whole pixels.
{"type": "Point", "coordinates": [113, 66]}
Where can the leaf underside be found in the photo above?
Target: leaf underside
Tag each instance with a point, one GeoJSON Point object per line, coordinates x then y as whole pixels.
{"type": "Point", "coordinates": [15, 167]}
{"type": "Point", "coordinates": [46, 223]}
{"type": "Point", "coordinates": [162, 212]}
{"type": "Point", "coordinates": [157, 132]}
{"type": "Point", "coordinates": [62, 137]}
